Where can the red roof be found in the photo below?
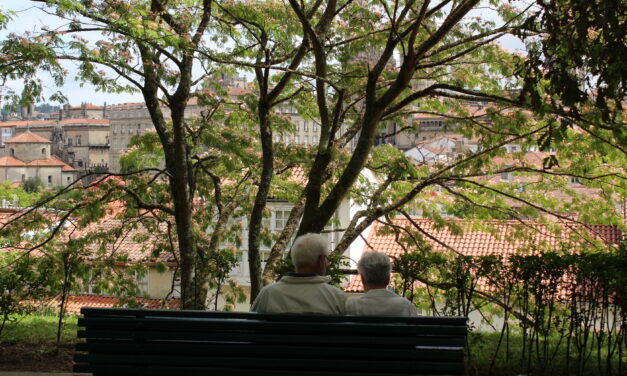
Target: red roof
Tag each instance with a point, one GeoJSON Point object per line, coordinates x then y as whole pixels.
{"type": "Point", "coordinates": [87, 106]}
{"type": "Point", "coordinates": [10, 161]}
{"type": "Point", "coordinates": [506, 238]}
{"type": "Point", "coordinates": [66, 167]}
{"type": "Point", "coordinates": [83, 121]}
{"type": "Point", "coordinates": [75, 303]}
{"type": "Point", "coordinates": [24, 123]}
{"type": "Point", "coordinates": [28, 138]}
{"type": "Point", "coordinates": [132, 245]}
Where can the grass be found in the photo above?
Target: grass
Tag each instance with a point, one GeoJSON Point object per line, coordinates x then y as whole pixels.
{"type": "Point", "coordinates": [482, 346]}
{"type": "Point", "coordinates": [39, 328]}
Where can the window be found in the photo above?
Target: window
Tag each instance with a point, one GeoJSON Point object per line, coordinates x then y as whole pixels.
{"type": "Point", "coordinates": [297, 125]}
{"type": "Point", "coordinates": [305, 140]}
{"type": "Point", "coordinates": [141, 278]}
{"type": "Point", "coordinates": [68, 179]}
{"type": "Point", "coordinates": [296, 140]}
{"type": "Point", "coordinates": [49, 179]}
{"type": "Point", "coordinates": [78, 140]}
{"type": "Point", "coordinates": [12, 152]}
{"type": "Point", "coordinates": [280, 219]}
{"type": "Point", "coordinates": [43, 152]}
{"type": "Point", "coordinates": [23, 175]}
{"type": "Point", "coordinates": [305, 125]}
{"type": "Point", "coordinates": [315, 126]}
{"type": "Point", "coordinates": [314, 140]}
{"type": "Point", "coordinates": [277, 138]}
{"type": "Point", "coordinates": [79, 163]}
{"type": "Point", "coordinates": [139, 128]}
{"type": "Point", "coordinates": [69, 141]}
{"type": "Point", "coordinates": [143, 282]}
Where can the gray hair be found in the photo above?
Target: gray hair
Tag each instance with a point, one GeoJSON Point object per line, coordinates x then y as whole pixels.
{"type": "Point", "coordinates": [308, 248]}
{"type": "Point", "coordinates": [375, 268]}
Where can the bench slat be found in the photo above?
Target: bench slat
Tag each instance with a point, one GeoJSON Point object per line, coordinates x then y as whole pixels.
{"type": "Point", "coordinates": [114, 370]}
{"type": "Point", "coordinates": [269, 338]}
{"type": "Point", "coordinates": [212, 324]}
{"type": "Point", "coordinates": [138, 312]}
{"type": "Point", "coordinates": [264, 350]}
{"type": "Point", "coordinates": [293, 363]}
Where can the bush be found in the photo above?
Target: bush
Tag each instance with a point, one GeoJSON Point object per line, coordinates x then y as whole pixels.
{"type": "Point", "coordinates": [33, 185]}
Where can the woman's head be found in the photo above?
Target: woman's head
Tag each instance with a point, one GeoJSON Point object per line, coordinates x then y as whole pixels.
{"type": "Point", "coordinates": [375, 269]}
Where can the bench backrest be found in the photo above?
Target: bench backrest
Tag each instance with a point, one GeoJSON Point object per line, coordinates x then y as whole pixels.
{"type": "Point", "coordinates": [162, 342]}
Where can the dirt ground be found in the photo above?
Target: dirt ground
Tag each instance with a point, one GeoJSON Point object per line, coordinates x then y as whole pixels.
{"type": "Point", "coordinates": [35, 357]}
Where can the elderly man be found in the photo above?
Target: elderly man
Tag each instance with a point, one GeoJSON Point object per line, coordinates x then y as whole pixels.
{"type": "Point", "coordinates": [307, 289]}
{"type": "Point", "coordinates": [375, 268]}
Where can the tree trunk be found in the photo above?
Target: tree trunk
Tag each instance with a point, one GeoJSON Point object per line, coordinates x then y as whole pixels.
{"type": "Point", "coordinates": [254, 228]}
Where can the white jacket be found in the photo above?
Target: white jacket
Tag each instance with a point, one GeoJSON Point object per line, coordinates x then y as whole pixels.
{"type": "Point", "coordinates": [380, 302]}
{"type": "Point", "coordinates": [293, 294]}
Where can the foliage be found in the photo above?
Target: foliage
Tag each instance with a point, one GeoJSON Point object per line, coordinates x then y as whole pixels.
{"type": "Point", "coordinates": [22, 285]}
{"type": "Point", "coordinates": [17, 196]}
{"type": "Point", "coordinates": [32, 185]}
{"type": "Point", "coordinates": [551, 312]}
{"type": "Point", "coordinates": [335, 65]}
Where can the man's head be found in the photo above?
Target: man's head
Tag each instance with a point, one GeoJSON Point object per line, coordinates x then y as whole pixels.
{"type": "Point", "coordinates": [309, 253]}
{"type": "Point", "coordinates": [375, 269]}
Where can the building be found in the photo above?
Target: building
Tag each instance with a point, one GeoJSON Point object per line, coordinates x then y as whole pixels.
{"type": "Point", "coordinates": [82, 143]}
{"type": "Point", "coordinates": [84, 111]}
{"type": "Point", "coordinates": [29, 156]}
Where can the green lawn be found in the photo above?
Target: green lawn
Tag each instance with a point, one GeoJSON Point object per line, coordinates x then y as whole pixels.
{"type": "Point", "coordinates": [39, 329]}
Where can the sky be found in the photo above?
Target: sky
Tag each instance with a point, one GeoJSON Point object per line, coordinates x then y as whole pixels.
{"type": "Point", "coordinates": [29, 18]}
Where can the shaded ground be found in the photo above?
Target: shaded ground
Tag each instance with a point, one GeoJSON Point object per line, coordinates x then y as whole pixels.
{"type": "Point", "coordinates": [35, 357]}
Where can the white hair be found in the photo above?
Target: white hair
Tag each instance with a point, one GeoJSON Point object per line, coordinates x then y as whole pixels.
{"type": "Point", "coordinates": [308, 248]}
{"type": "Point", "coordinates": [375, 268]}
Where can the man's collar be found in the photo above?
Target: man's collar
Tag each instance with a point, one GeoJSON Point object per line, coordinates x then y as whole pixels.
{"type": "Point", "coordinates": [294, 274]}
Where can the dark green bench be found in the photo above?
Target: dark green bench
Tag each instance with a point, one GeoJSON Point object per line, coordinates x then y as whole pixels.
{"type": "Point", "coordinates": [160, 342]}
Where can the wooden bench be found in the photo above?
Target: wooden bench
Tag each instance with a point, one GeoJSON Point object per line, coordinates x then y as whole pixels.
{"type": "Point", "coordinates": [160, 342]}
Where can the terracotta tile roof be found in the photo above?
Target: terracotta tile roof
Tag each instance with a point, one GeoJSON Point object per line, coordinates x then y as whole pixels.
{"type": "Point", "coordinates": [28, 138]}
{"type": "Point", "coordinates": [83, 121]}
{"type": "Point", "coordinates": [531, 159]}
{"type": "Point", "coordinates": [131, 245]}
{"type": "Point", "coordinates": [238, 91]}
{"type": "Point", "coordinates": [87, 106]}
{"type": "Point", "coordinates": [481, 242]}
{"type": "Point", "coordinates": [76, 302]}
{"type": "Point", "coordinates": [10, 161]}
{"type": "Point", "coordinates": [355, 285]}
{"type": "Point", "coordinates": [297, 175]}
{"type": "Point", "coordinates": [24, 123]}
{"type": "Point", "coordinates": [48, 162]}
{"type": "Point", "coordinates": [66, 167]}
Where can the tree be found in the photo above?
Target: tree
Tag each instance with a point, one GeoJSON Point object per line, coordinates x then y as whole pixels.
{"type": "Point", "coordinates": [336, 63]}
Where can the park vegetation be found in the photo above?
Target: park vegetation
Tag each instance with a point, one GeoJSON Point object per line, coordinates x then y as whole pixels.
{"type": "Point", "coordinates": [354, 68]}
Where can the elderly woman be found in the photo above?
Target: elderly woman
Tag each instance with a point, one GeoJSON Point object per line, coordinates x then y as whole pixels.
{"type": "Point", "coordinates": [375, 268]}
